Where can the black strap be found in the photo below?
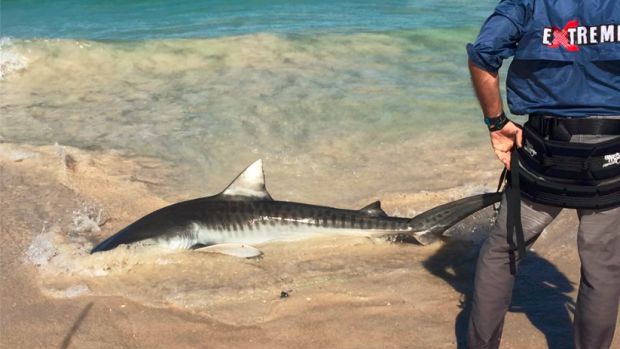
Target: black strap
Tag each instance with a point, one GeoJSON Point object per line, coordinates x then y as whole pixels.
{"type": "Point", "coordinates": [502, 179]}
{"type": "Point", "coordinates": [560, 128]}
{"type": "Point", "coordinates": [571, 163]}
{"type": "Point", "coordinates": [592, 126]}
{"type": "Point", "coordinates": [513, 199]}
{"type": "Point", "coordinates": [500, 189]}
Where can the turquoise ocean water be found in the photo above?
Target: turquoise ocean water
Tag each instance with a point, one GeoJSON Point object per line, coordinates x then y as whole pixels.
{"type": "Point", "coordinates": [344, 100]}
{"type": "Point", "coordinates": [146, 20]}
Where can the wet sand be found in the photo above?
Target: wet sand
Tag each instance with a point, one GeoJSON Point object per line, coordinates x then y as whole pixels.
{"type": "Point", "coordinates": [344, 292]}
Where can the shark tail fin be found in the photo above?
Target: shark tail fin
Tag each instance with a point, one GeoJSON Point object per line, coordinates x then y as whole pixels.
{"type": "Point", "coordinates": [430, 225]}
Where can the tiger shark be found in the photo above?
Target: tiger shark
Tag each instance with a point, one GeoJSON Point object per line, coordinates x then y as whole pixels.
{"type": "Point", "coordinates": [245, 214]}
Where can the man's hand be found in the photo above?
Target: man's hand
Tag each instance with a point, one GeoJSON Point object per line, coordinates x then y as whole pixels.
{"type": "Point", "coordinates": [503, 141]}
{"type": "Point", "coordinates": [486, 85]}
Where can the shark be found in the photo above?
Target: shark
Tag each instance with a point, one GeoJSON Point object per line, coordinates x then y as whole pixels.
{"type": "Point", "coordinates": [245, 214]}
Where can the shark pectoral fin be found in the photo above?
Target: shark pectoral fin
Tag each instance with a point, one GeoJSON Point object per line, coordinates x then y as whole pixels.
{"type": "Point", "coordinates": [237, 250]}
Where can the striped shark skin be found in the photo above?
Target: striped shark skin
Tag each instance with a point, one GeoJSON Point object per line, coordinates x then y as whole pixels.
{"type": "Point", "coordinates": [245, 214]}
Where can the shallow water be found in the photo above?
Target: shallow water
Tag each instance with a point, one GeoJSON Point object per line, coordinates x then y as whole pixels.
{"type": "Point", "coordinates": [375, 102]}
{"type": "Point", "coordinates": [359, 114]}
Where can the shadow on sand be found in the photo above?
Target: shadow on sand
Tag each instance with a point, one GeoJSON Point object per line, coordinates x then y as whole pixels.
{"type": "Point", "coordinates": [541, 291]}
{"type": "Point", "coordinates": [76, 325]}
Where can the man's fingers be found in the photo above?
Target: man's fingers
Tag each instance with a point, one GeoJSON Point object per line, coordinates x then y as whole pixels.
{"type": "Point", "coordinates": [504, 157]}
{"type": "Point", "coordinates": [506, 161]}
{"type": "Point", "coordinates": [519, 138]}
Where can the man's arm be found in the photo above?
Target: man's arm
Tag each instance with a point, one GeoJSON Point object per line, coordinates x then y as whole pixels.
{"type": "Point", "coordinates": [486, 85]}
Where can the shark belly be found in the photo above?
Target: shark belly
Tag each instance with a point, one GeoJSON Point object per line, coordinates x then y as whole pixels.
{"type": "Point", "coordinates": [263, 233]}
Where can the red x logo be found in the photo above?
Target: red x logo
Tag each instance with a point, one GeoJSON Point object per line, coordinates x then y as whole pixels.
{"type": "Point", "coordinates": [560, 37]}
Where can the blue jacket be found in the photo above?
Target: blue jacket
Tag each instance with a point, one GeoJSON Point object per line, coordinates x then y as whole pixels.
{"type": "Point", "coordinates": [566, 55]}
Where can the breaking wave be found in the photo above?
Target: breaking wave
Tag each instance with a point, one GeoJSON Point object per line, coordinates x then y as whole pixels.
{"type": "Point", "coordinates": [10, 60]}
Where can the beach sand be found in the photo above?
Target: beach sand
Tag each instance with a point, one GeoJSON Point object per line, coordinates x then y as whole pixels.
{"type": "Point", "coordinates": [343, 292]}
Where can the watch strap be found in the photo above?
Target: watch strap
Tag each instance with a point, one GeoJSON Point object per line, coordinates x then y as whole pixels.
{"type": "Point", "coordinates": [496, 123]}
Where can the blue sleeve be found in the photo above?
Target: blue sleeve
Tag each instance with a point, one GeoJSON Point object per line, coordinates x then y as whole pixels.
{"type": "Point", "coordinates": [499, 35]}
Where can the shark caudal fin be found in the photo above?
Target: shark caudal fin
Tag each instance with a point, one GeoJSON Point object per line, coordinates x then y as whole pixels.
{"type": "Point", "coordinates": [430, 225]}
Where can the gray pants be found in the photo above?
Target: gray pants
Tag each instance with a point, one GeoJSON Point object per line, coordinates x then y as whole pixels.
{"type": "Point", "coordinates": [598, 241]}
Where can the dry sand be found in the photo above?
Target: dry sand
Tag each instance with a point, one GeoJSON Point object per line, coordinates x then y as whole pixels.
{"type": "Point", "coordinates": [344, 292]}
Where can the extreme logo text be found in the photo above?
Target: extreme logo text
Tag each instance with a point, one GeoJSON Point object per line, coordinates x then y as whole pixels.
{"type": "Point", "coordinates": [573, 35]}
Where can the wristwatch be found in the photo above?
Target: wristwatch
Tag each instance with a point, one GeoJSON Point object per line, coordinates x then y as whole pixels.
{"type": "Point", "coordinates": [496, 123]}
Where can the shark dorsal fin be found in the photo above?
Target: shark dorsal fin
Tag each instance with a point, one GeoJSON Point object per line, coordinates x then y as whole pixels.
{"type": "Point", "coordinates": [374, 210]}
{"type": "Point", "coordinates": [249, 185]}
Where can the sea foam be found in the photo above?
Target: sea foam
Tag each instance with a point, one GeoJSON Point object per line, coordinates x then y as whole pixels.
{"type": "Point", "coordinates": [10, 60]}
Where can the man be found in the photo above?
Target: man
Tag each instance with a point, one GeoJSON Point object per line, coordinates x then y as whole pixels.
{"type": "Point", "coordinates": [566, 76]}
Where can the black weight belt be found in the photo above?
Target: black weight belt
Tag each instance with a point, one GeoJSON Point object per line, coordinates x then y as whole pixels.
{"type": "Point", "coordinates": [550, 170]}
